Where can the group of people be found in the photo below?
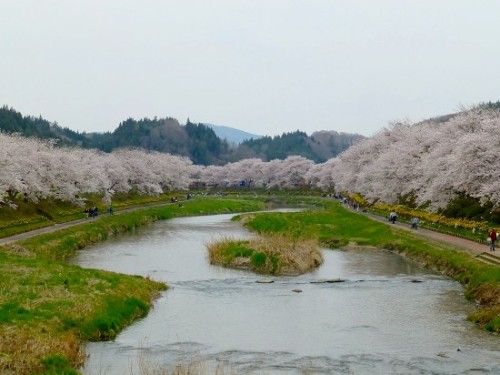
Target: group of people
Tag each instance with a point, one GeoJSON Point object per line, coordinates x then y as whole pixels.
{"type": "Point", "coordinates": [176, 200]}
{"type": "Point", "coordinates": [352, 204]}
{"type": "Point", "coordinates": [393, 217]}
{"type": "Point", "coordinates": [94, 211]}
{"type": "Point", "coordinates": [492, 238]}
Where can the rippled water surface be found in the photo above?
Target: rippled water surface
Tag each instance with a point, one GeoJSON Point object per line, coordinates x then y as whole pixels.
{"type": "Point", "coordinates": [389, 317]}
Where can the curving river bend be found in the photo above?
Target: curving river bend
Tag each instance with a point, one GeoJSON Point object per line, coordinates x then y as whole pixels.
{"type": "Point", "coordinates": [380, 321]}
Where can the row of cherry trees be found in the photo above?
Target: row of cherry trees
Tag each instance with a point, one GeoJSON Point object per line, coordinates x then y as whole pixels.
{"type": "Point", "coordinates": [37, 170]}
{"type": "Point", "coordinates": [434, 161]}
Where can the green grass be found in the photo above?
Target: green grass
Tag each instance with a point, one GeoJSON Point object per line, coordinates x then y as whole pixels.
{"type": "Point", "coordinates": [258, 260]}
{"type": "Point", "coordinates": [47, 307]}
{"type": "Point", "coordinates": [57, 365]}
{"type": "Point", "coordinates": [334, 226]}
{"type": "Point", "coordinates": [235, 250]}
{"type": "Point", "coordinates": [29, 216]}
{"type": "Point", "coordinates": [114, 316]}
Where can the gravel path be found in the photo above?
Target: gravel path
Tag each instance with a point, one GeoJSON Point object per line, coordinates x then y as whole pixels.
{"type": "Point", "coordinates": [53, 228]}
{"type": "Point", "coordinates": [476, 249]}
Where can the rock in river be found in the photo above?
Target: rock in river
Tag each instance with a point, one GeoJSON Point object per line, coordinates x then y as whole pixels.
{"type": "Point", "coordinates": [325, 281]}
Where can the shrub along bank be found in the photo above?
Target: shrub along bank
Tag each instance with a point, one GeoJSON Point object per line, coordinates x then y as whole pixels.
{"type": "Point", "coordinates": [48, 307]}
{"type": "Point", "coordinates": [337, 227]}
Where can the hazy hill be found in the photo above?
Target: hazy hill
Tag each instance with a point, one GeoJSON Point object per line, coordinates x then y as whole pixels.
{"type": "Point", "coordinates": [199, 142]}
{"type": "Point", "coordinates": [232, 135]}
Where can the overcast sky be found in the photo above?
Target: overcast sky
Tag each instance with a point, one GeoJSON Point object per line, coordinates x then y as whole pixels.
{"type": "Point", "coordinates": [265, 67]}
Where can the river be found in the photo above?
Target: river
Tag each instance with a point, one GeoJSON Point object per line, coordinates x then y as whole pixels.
{"type": "Point", "coordinates": [390, 316]}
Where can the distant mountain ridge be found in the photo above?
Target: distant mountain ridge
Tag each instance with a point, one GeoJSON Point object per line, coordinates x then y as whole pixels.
{"type": "Point", "coordinates": [198, 142]}
{"type": "Point", "coordinates": [232, 135]}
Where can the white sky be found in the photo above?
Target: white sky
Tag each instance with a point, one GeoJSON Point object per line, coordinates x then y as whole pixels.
{"type": "Point", "coordinates": [263, 66]}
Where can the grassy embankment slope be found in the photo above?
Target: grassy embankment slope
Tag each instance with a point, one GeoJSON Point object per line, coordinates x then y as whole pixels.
{"type": "Point", "coordinates": [48, 308]}
{"type": "Point", "coordinates": [337, 227]}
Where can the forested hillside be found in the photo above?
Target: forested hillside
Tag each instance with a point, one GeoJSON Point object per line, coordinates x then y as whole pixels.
{"type": "Point", "coordinates": [195, 141]}
{"type": "Point", "coordinates": [198, 142]}
{"type": "Point", "coordinates": [319, 147]}
{"type": "Point", "coordinates": [12, 121]}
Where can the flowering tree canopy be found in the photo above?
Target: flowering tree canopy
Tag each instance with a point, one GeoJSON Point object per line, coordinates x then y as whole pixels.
{"type": "Point", "coordinates": [434, 160]}
{"type": "Point", "coordinates": [38, 170]}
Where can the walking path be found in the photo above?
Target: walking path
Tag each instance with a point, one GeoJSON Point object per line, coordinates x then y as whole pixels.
{"type": "Point", "coordinates": [54, 227]}
{"type": "Point", "coordinates": [476, 249]}
{"type": "Point", "coordinates": [49, 229]}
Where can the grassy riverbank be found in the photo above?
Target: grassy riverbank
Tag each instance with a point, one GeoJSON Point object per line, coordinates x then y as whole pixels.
{"type": "Point", "coordinates": [337, 227]}
{"type": "Point", "coordinates": [48, 308]}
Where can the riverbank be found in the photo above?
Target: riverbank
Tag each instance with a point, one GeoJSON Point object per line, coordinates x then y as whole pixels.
{"type": "Point", "coordinates": [336, 227]}
{"type": "Point", "coordinates": [49, 308]}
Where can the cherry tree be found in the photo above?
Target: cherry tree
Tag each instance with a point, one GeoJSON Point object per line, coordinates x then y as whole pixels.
{"type": "Point", "coordinates": [140, 170]}
{"type": "Point", "coordinates": [321, 175]}
{"type": "Point", "coordinates": [246, 170]}
{"type": "Point", "coordinates": [293, 170]}
{"type": "Point", "coordinates": [464, 158]}
{"type": "Point", "coordinates": [11, 180]}
{"type": "Point", "coordinates": [213, 176]}
{"type": "Point", "coordinates": [271, 173]}
{"type": "Point", "coordinates": [174, 171]}
{"type": "Point", "coordinates": [117, 180]}
{"type": "Point", "coordinates": [23, 167]}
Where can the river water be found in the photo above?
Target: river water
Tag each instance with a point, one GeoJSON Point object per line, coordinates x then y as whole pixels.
{"type": "Point", "coordinates": [390, 316]}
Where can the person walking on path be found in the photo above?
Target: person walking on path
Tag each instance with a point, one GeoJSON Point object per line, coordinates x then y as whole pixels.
{"type": "Point", "coordinates": [414, 223]}
{"type": "Point", "coordinates": [492, 235]}
{"type": "Point", "coordinates": [393, 217]}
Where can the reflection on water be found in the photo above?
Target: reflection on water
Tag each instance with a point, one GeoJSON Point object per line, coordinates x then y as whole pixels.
{"type": "Point", "coordinates": [379, 321]}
